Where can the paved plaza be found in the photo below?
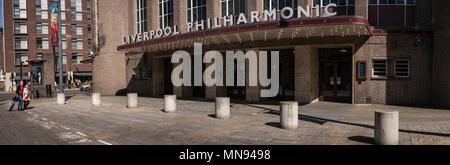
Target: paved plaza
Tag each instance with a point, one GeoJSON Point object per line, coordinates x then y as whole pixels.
{"type": "Point", "coordinates": [112, 123]}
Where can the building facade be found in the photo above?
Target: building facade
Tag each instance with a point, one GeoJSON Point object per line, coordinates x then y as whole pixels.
{"type": "Point", "coordinates": [28, 40]}
{"type": "Point", "coordinates": [369, 52]}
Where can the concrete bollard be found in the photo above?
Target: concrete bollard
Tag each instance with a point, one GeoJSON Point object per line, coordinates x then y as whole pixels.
{"type": "Point", "coordinates": [170, 104]}
{"type": "Point", "coordinates": [223, 107]}
{"type": "Point", "coordinates": [61, 98]}
{"type": "Point", "coordinates": [289, 114]}
{"type": "Point", "coordinates": [386, 127]}
{"type": "Point", "coordinates": [132, 100]}
{"type": "Point", "coordinates": [96, 99]}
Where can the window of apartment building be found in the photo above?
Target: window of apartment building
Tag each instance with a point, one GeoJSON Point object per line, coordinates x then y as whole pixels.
{"type": "Point", "coordinates": [141, 12]}
{"type": "Point", "coordinates": [41, 9]}
{"type": "Point", "coordinates": [63, 15]}
{"type": "Point", "coordinates": [89, 30]}
{"type": "Point", "coordinates": [343, 7]}
{"type": "Point", "coordinates": [392, 13]}
{"type": "Point", "coordinates": [233, 7]}
{"type": "Point", "coordinates": [40, 56]}
{"type": "Point", "coordinates": [88, 8]}
{"type": "Point", "coordinates": [20, 57]}
{"type": "Point", "coordinates": [20, 9]}
{"type": "Point", "coordinates": [379, 68]}
{"type": "Point", "coordinates": [20, 28]}
{"type": "Point", "coordinates": [42, 43]}
{"type": "Point", "coordinates": [20, 43]}
{"type": "Point", "coordinates": [63, 29]}
{"type": "Point", "coordinates": [76, 11]}
{"type": "Point", "coordinates": [77, 44]}
{"type": "Point", "coordinates": [76, 29]}
{"type": "Point", "coordinates": [279, 4]}
{"type": "Point", "coordinates": [41, 28]}
{"type": "Point", "coordinates": [64, 56]}
{"type": "Point", "coordinates": [401, 68]}
{"type": "Point", "coordinates": [77, 58]}
{"type": "Point", "coordinates": [165, 13]}
{"type": "Point", "coordinates": [196, 10]}
{"type": "Point", "coordinates": [89, 42]}
{"type": "Point", "coordinates": [64, 43]}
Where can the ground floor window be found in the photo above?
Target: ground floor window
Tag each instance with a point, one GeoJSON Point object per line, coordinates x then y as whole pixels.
{"type": "Point", "coordinates": [379, 68]}
{"type": "Point", "coordinates": [401, 68]}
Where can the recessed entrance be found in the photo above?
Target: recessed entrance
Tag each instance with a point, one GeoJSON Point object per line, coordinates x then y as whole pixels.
{"type": "Point", "coordinates": [336, 75]}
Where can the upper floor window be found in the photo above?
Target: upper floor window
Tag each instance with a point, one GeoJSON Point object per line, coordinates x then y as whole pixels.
{"type": "Point", "coordinates": [279, 4]}
{"type": "Point", "coordinates": [196, 10]}
{"type": "Point", "coordinates": [233, 7]}
{"type": "Point", "coordinates": [165, 13]}
{"type": "Point", "coordinates": [20, 9]}
{"type": "Point", "coordinates": [41, 28]}
{"type": "Point", "coordinates": [20, 58]}
{"type": "Point", "coordinates": [20, 43]}
{"type": "Point", "coordinates": [392, 13]}
{"type": "Point", "coordinates": [76, 10]}
{"type": "Point", "coordinates": [20, 28]}
{"type": "Point", "coordinates": [141, 12]}
{"type": "Point", "coordinates": [343, 7]}
{"type": "Point", "coordinates": [88, 8]}
{"type": "Point", "coordinates": [41, 9]}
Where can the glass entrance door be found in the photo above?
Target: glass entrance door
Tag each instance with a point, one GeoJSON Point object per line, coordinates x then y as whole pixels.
{"type": "Point", "coordinates": [335, 76]}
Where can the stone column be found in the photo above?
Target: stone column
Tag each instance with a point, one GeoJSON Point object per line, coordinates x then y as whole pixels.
{"type": "Point", "coordinates": [170, 104]}
{"type": "Point", "coordinates": [96, 99]}
{"type": "Point", "coordinates": [255, 5]}
{"type": "Point", "coordinates": [303, 3]}
{"type": "Point", "coordinates": [153, 14]}
{"type": "Point", "coordinates": [223, 107]}
{"type": "Point", "coordinates": [362, 8]}
{"type": "Point", "coordinates": [289, 114]}
{"type": "Point", "coordinates": [158, 76]}
{"type": "Point", "coordinates": [180, 15]}
{"type": "Point", "coordinates": [132, 100]}
{"type": "Point", "coordinates": [213, 9]}
{"type": "Point", "coordinates": [306, 74]}
{"type": "Point", "coordinates": [386, 127]}
{"type": "Point", "coordinates": [252, 93]}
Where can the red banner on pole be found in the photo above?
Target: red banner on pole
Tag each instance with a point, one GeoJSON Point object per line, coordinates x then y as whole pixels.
{"type": "Point", "coordinates": [54, 25]}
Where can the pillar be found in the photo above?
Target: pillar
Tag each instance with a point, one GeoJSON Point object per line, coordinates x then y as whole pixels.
{"type": "Point", "coordinates": [362, 8]}
{"type": "Point", "coordinates": [96, 99]}
{"type": "Point", "coordinates": [60, 98]}
{"type": "Point", "coordinates": [170, 104]}
{"type": "Point", "coordinates": [386, 127]}
{"type": "Point", "coordinates": [289, 115]}
{"type": "Point", "coordinates": [132, 100]}
{"type": "Point", "coordinates": [223, 107]}
{"type": "Point", "coordinates": [180, 15]}
{"type": "Point", "coordinates": [306, 74]}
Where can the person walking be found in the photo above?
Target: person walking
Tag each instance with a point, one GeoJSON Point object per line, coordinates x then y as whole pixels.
{"type": "Point", "coordinates": [19, 93]}
{"type": "Point", "coordinates": [26, 97]}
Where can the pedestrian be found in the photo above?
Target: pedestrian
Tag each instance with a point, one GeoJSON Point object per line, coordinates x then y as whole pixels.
{"type": "Point", "coordinates": [26, 96]}
{"type": "Point", "coordinates": [19, 93]}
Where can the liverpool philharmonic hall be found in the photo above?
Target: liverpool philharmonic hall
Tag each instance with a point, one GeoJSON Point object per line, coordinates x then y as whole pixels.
{"type": "Point", "coordinates": [392, 52]}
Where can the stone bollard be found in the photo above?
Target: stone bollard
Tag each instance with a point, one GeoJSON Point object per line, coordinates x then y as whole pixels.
{"type": "Point", "coordinates": [223, 107]}
{"type": "Point", "coordinates": [170, 104]}
{"type": "Point", "coordinates": [96, 99]}
{"type": "Point", "coordinates": [289, 114]}
{"type": "Point", "coordinates": [132, 100]}
{"type": "Point", "coordinates": [60, 98]}
{"type": "Point", "coordinates": [386, 127]}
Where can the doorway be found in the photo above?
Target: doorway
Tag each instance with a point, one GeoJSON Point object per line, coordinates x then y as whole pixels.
{"type": "Point", "coordinates": [336, 75]}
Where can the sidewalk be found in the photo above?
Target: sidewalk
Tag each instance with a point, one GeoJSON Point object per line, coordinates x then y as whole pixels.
{"type": "Point", "coordinates": [78, 122]}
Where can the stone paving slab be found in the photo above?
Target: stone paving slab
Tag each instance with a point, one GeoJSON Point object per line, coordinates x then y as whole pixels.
{"type": "Point", "coordinates": [80, 123]}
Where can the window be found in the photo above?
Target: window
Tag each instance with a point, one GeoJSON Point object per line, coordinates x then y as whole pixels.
{"type": "Point", "coordinates": [41, 9]}
{"type": "Point", "coordinates": [20, 57]}
{"type": "Point", "coordinates": [88, 8]}
{"type": "Point", "coordinates": [64, 58]}
{"type": "Point", "coordinates": [141, 13]}
{"type": "Point", "coordinates": [89, 44]}
{"type": "Point", "coordinates": [63, 29]}
{"type": "Point", "coordinates": [20, 9]}
{"type": "Point", "coordinates": [77, 58]}
{"type": "Point", "coordinates": [89, 29]}
{"type": "Point", "coordinates": [401, 68]}
{"type": "Point", "coordinates": [343, 7]}
{"type": "Point", "coordinates": [40, 56]}
{"type": "Point", "coordinates": [76, 29]}
{"type": "Point", "coordinates": [279, 4]}
{"type": "Point", "coordinates": [76, 11]}
{"type": "Point", "coordinates": [63, 15]}
{"type": "Point", "coordinates": [392, 13]}
{"type": "Point", "coordinates": [20, 43]}
{"type": "Point", "coordinates": [379, 68]}
{"type": "Point", "coordinates": [36, 74]}
{"type": "Point", "coordinates": [64, 43]}
{"type": "Point", "coordinates": [41, 28]}
{"type": "Point", "coordinates": [233, 7]}
{"type": "Point", "coordinates": [77, 44]}
{"type": "Point", "coordinates": [165, 13]}
{"type": "Point", "coordinates": [20, 28]}
{"type": "Point", "coordinates": [42, 43]}
{"type": "Point", "coordinates": [196, 10]}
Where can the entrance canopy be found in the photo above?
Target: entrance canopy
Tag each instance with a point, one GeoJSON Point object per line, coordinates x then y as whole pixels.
{"type": "Point", "coordinates": [258, 34]}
